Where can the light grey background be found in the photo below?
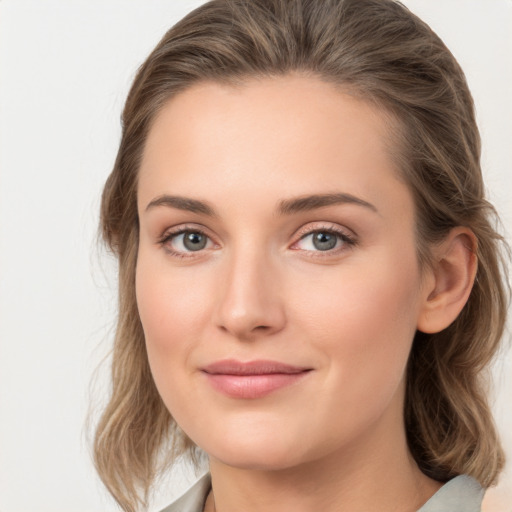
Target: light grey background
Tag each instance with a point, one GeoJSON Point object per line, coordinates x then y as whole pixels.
{"type": "Point", "coordinates": [65, 68]}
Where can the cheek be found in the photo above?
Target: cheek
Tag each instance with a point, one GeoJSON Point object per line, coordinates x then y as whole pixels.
{"type": "Point", "coordinates": [365, 325]}
{"type": "Point", "coordinates": [172, 309]}
{"type": "Point", "coordinates": [171, 301]}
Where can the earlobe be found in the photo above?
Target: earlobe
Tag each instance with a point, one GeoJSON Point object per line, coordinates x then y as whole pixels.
{"type": "Point", "coordinates": [453, 275]}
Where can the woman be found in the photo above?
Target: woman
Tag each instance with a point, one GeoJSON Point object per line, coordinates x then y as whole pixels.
{"type": "Point", "coordinates": [310, 284]}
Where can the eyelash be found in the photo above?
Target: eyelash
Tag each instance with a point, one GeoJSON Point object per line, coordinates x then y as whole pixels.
{"type": "Point", "coordinates": [169, 235]}
{"type": "Point", "coordinates": [348, 241]}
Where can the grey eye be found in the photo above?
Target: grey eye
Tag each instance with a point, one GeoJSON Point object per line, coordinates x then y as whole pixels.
{"type": "Point", "coordinates": [324, 241]}
{"type": "Point", "coordinates": [194, 241]}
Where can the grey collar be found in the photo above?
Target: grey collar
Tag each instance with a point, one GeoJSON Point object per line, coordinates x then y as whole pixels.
{"type": "Point", "coordinates": [461, 494]}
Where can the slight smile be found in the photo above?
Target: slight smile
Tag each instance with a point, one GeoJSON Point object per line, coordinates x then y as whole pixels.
{"type": "Point", "coordinates": [252, 379]}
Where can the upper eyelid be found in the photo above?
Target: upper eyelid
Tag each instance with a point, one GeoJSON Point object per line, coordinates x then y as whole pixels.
{"type": "Point", "coordinates": [183, 228]}
{"type": "Point", "coordinates": [331, 227]}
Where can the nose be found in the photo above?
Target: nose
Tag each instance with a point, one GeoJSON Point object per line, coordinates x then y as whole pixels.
{"type": "Point", "coordinates": [250, 302]}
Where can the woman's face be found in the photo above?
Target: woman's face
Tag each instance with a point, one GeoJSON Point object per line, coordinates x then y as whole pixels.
{"type": "Point", "coordinates": [277, 278]}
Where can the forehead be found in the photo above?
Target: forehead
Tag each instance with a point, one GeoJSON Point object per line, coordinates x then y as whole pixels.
{"type": "Point", "coordinates": [290, 134]}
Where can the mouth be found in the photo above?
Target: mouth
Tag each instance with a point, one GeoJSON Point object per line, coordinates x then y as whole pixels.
{"type": "Point", "coordinates": [253, 379]}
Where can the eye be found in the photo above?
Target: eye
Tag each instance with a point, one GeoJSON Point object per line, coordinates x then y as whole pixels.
{"type": "Point", "coordinates": [321, 241]}
{"type": "Point", "coordinates": [186, 241]}
{"type": "Point", "coordinates": [324, 240]}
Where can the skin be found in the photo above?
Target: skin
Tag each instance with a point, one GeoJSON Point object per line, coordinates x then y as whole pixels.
{"type": "Point", "coordinates": [260, 289]}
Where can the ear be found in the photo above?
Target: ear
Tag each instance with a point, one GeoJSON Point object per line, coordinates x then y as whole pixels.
{"type": "Point", "coordinates": [450, 281]}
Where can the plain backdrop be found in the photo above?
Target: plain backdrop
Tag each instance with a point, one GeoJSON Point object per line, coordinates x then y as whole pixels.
{"type": "Point", "coordinates": [65, 68]}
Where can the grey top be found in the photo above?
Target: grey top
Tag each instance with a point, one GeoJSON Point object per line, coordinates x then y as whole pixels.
{"type": "Point", "coordinates": [461, 494]}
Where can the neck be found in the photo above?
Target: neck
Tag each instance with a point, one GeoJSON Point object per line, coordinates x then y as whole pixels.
{"type": "Point", "coordinates": [375, 469]}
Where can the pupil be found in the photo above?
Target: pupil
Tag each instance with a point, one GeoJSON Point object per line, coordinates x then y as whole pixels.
{"type": "Point", "coordinates": [194, 241]}
{"type": "Point", "coordinates": [324, 241]}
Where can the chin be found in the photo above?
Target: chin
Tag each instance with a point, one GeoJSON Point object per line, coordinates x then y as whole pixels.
{"type": "Point", "coordinates": [256, 460]}
{"type": "Point", "coordinates": [269, 452]}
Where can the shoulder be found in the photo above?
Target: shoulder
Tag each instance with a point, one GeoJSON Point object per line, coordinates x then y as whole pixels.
{"type": "Point", "coordinates": [193, 499]}
{"type": "Point", "coordinates": [461, 494]}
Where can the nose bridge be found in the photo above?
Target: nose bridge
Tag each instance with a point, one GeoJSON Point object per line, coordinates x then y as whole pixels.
{"type": "Point", "coordinates": [250, 302]}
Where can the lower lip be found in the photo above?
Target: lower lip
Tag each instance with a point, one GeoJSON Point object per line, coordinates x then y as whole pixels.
{"type": "Point", "coordinates": [252, 386]}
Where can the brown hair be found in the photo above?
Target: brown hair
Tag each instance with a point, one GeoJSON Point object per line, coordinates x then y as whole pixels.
{"type": "Point", "coordinates": [380, 51]}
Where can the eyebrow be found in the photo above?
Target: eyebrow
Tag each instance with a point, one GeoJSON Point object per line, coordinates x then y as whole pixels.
{"type": "Point", "coordinates": [311, 202]}
{"type": "Point", "coordinates": [183, 203]}
{"type": "Point", "coordinates": [286, 206]}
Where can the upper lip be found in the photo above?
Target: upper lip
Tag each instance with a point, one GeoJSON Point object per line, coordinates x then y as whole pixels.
{"type": "Point", "coordinates": [259, 367]}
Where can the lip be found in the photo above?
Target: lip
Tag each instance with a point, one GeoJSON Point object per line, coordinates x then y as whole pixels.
{"type": "Point", "coordinates": [252, 379]}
